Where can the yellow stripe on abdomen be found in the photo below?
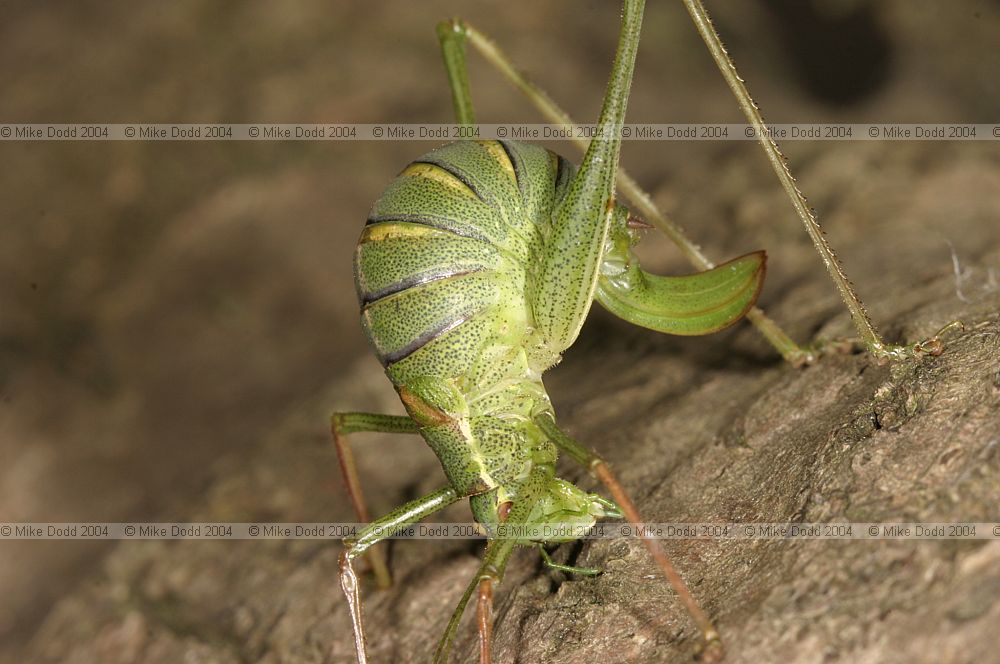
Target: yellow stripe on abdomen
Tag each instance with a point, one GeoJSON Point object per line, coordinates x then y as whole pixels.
{"type": "Point", "coordinates": [496, 151]}
{"type": "Point", "coordinates": [438, 174]}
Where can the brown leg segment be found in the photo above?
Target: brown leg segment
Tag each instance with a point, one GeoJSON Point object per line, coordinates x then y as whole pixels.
{"type": "Point", "coordinates": [349, 584]}
{"type": "Point", "coordinates": [342, 424]}
{"type": "Point", "coordinates": [711, 649]}
{"type": "Point", "coordinates": [410, 513]}
{"type": "Point", "coordinates": [484, 614]}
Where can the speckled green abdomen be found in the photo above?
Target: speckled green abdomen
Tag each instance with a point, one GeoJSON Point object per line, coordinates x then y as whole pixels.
{"type": "Point", "coordinates": [448, 259]}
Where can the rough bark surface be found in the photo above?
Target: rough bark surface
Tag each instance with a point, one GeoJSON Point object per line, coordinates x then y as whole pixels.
{"type": "Point", "coordinates": [705, 432]}
{"type": "Point", "coordinates": [195, 382]}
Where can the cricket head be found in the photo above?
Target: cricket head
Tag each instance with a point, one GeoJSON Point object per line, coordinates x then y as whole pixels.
{"type": "Point", "coordinates": [557, 510]}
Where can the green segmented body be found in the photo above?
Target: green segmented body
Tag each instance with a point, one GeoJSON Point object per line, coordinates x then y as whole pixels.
{"type": "Point", "coordinates": [451, 246]}
{"type": "Point", "coordinates": [445, 271]}
{"type": "Point", "coordinates": [475, 272]}
{"type": "Point", "coordinates": [449, 273]}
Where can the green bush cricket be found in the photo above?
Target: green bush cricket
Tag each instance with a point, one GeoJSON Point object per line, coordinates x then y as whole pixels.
{"type": "Point", "coordinates": [476, 270]}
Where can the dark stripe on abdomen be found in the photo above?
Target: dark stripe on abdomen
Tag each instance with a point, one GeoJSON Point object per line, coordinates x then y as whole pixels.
{"type": "Point", "coordinates": [564, 171]}
{"type": "Point", "coordinates": [411, 282]}
{"type": "Point", "coordinates": [400, 324]}
{"type": "Point", "coordinates": [516, 164]}
{"type": "Point", "coordinates": [422, 340]}
{"type": "Point", "coordinates": [456, 173]}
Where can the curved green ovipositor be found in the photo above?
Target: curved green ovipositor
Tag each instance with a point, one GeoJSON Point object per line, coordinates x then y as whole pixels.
{"type": "Point", "coordinates": [694, 304]}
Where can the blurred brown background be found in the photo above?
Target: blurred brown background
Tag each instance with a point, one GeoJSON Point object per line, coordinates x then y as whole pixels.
{"type": "Point", "coordinates": [166, 307]}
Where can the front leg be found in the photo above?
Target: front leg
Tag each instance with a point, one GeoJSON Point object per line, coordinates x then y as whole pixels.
{"type": "Point", "coordinates": [410, 513]}
{"type": "Point", "coordinates": [711, 649]}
